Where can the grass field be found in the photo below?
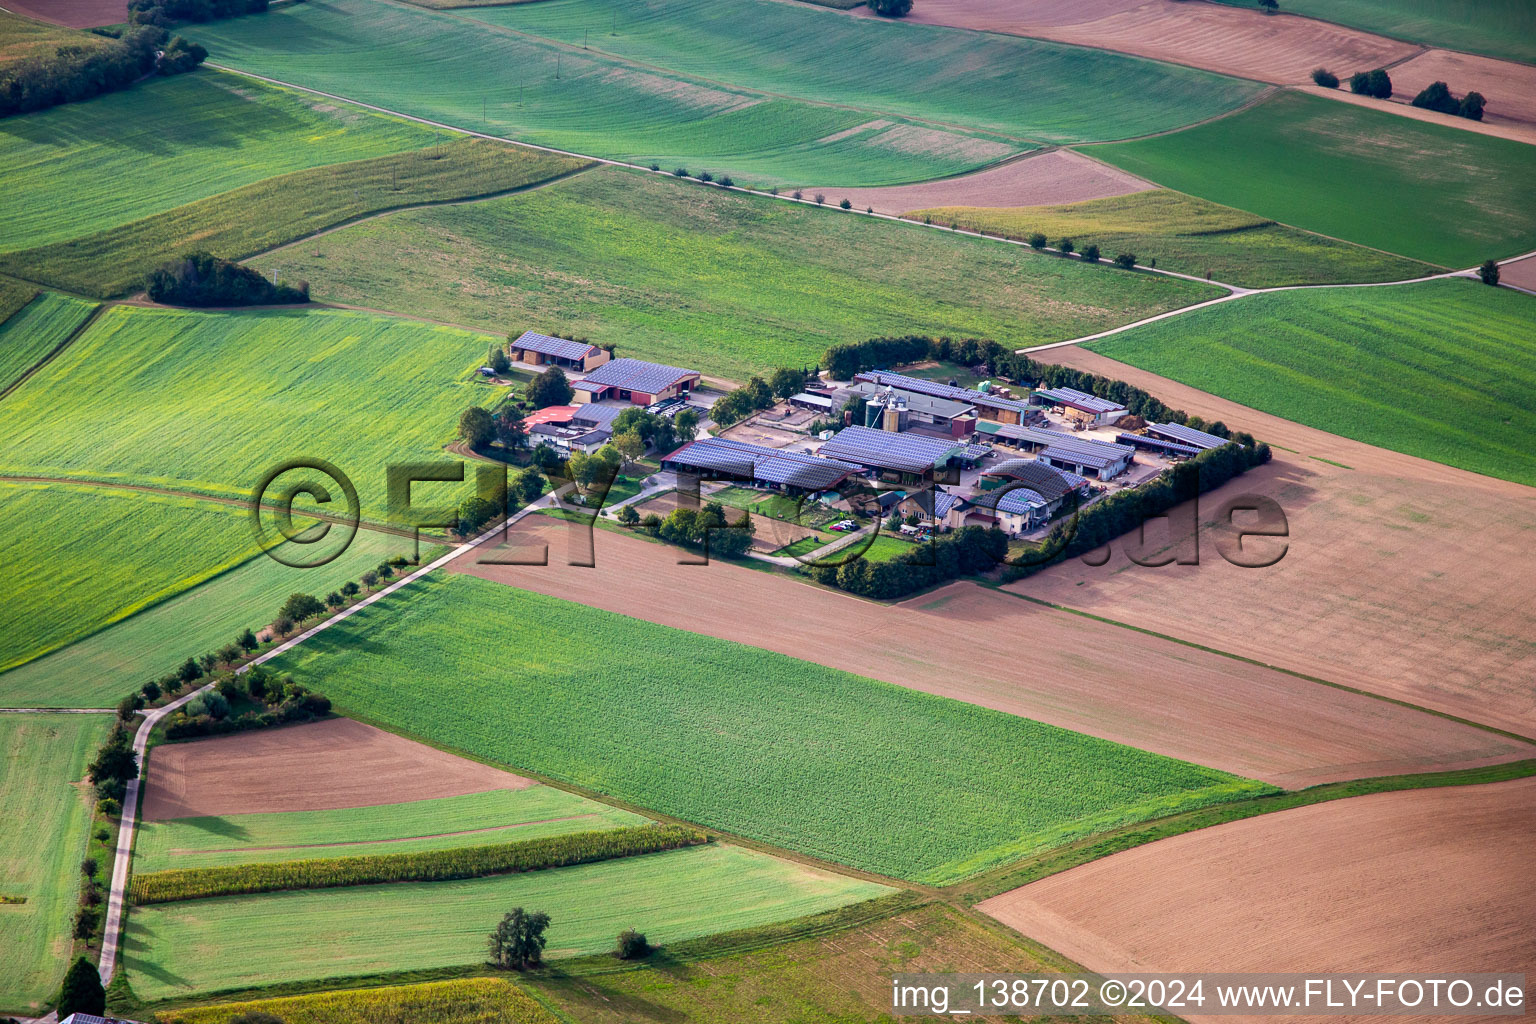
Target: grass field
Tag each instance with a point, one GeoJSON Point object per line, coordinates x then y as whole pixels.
{"type": "Point", "coordinates": [1499, 28]}
{"type": "Point", "coordinates": [219, 399]}
{"type": "Point", "coordinates": [266, 214]}
{"type": "Point", "coordinates": [14, 296]}
{"type": "Point", "coordinates": [42, 758]}
{"type": "Point", "coordinates": [1191, 236]}
{"type": "Point", "coordinates": [939, 74]}
{"type": "Point", "coordinates": [35, 330]}
{"type": "Point", "coordinates": [1424, 191]}
{"type": "Point", "coordinates": [448, 67]}
{"type": "Point", "coordinates": [476, 819]}
{"type": "Point", "coordinates": [461, 1001]}
{"type": "Point", "coordinates": [81, 558]}
{"type": "Point", "coordinates": [209, 945]}
{"type": "Point", "coordinates": [23, 37]}
{"type": "Point", "coordinates": [724, 283]}
{"type": "Point", "coordinates": [81, 168]}
{"type": "Point", "coordinates": [98, 670]}
{"type": "Point", "coordinates": [737, 738]}
{"type": "Point", "coordinates": [1443, 370]}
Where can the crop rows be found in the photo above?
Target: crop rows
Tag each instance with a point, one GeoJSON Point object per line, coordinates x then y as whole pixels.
{"type": "Point", "coordinates": [29, 333]}
{"type": "Point", "coordinates": [461, 1001]}
{"type": "Point", "coordinates": [420, 866]}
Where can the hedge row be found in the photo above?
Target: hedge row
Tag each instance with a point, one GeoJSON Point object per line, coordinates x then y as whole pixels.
{"type": "Point", "coordinates": [969, 550]}
{"type": "Point", "coordinates": [425, 866]}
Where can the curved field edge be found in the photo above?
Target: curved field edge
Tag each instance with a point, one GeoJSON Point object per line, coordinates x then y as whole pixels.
{"type": "Point", "coordinates": [460, 1001]}
{"type": "Point", "coordinates": [1424, 191]}
{"type": "Point", "coordinates": [1191, 236]}
{"type": "Point", "coordinates": [1442, 370]}
{"type": "Point", "coordinates": [1498, 28]}
{"type": "Point", "coordinates": [799, 736]}
{"type": "Point", "coordinates": [34, 330]}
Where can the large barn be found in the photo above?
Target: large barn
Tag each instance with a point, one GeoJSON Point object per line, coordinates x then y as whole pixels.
{"type": "Point", "coordinates": [537, 349]}
{"type": "Point", "coordinates": [637, 381]}
{"type": "Point", "coordinates": [901, 458]}
{"type": "Point", "coordinates": [775, 469]}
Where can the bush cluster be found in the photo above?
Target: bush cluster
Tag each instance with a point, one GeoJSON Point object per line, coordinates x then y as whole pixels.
{"type": "Point", "coordinates": [1372, 83]}
{"type": "Point", "coordinates": [202, 279]}
{"type": "Point", "coordinates": [706, 529]}
{"type": "Point", "coordinates": [171, 12]}
{"type": "Point", "coordinates": [279, 701]}
{"type": "Point", "coordinates": [969, 550]}
{"type": "Point", "coordinates": [753, 396]}
{"type": "Point", "coordinates": [422, 866]}
{"type": "Point", "coordinates": [1437, 97]}
{"type": "Point", "coordinates": [80, 72]}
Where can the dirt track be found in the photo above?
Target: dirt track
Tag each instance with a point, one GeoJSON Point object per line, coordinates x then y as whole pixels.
{"type": "Point", "coordinates": [72, 13]}
{"type": "Point", "coordinates": [1403, 577]}
{"type": "Point", "coordinates": [999, 651]}
{"type": "Point", "coordinates": [314, 767]}
{"type": "Point", "coordinates": [1059, 176]}
{"type": "Point", "coordinates": [1420, 881]}
{"type": "Point", "coordinates": [1281, 49]}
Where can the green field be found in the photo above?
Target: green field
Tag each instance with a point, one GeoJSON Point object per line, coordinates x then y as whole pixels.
{"type": "Point", "coordinates": [1016, 86]}
{"type": "Point", "coordinates": [1499, 28]}
{"type": "Point", "coordinates": [42, 759]}
{"type": "Point", "coordinates": [219, 399]}
{"type": "Point", "coordinates": [1191, 236]}
{"type": "Point", "coordinates": [476, 819]}
{"type": "Point", "coordinates": [736, 738]}
{"type": "Point", "coordinates": [460, 1001]}
{"type": "Point", "coordinates": [208, 945]}
{"type": "Point", "coordinates": [81, 168]}
{"type": "Point", "coordinates": [14, 296]}
{"type": "Point", "coordinates": [261, 216]}
{"type": "Point", "coordinates": [82, 558]}
{"type": "Point", "coordinates": [1443, 370]}
{"type": "Point", "coordinates": [447, 67]}
{"type": "Point", "coordinates": [98, 670]}
{"type": "Point", "coordinates": [23, 37]}
{"type": "Point", "coordinates": [1425, 191]}
{"type": "Point", "coordinates": [36, 330]}
{"type": "Point", "coordinates": [721, 282]}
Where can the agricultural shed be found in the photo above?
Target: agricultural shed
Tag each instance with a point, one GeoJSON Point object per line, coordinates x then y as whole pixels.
{"type": "Point", "coordinates": [988, 406]}
{"type": "Point", "coordinates": [908, 457]}
{"type": "Point", "coordinates": [636, 381]}
{"type": "Point", "coordinates": [1080, 406]}
{"type": "Point", "coordinates": [1046, 480]}
{"type": "Point", "coordinates": [1158, 445]}
{"type": "Point", "coordinates": [542, 349]}
{"type": "Point", "coordinates": [719, 458]}
{"type": "Point", "coordinates": [1080, 455]}
{"type": "Point", "coordinates": [1180, 434]}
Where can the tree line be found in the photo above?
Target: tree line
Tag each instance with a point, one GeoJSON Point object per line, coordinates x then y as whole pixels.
{"type": "Point", "coordinates": [75, 72]}
{"type": "Point", "coordinates": [201, 279]}
{"type": "Point", "coordinates": [965, 552]}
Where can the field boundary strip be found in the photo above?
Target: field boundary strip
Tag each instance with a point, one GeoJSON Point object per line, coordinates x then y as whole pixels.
{"type": "Point", "coordinates": [81, 328]}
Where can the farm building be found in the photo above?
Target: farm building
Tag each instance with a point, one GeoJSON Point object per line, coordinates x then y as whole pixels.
{"type": "Point", "coordinates": [814, 403]}
{"type": "Point", "coordinates": [569, 437]}
{"type": "Point", "coordinates": [901, 458]}
{"type": "Point", "coordinates": [988, 406]}
{"type": "Point", "coordinates": [635, 381]}
{"type": "Point", "coordinates": [775, 469]}
{"type": "Point", "coordinates": [939, 509]}
{"type": "Point", "coordinates": [1014, 509]}
{"type": "Point", "coordinates": [1079, 406]}
{"type": "Point", "coordinates": [1050, 483]}
{"type": "Point", "coordinates": [1081, 455]}
{"type": "Point", "coordinates": [541, 349]}
{"type": "Point", "coordinates": [1157, 445]}
{"type": "Point", "coordinates": [1189, 436]}
{"type": "Point", "coordinates": [887, 408]}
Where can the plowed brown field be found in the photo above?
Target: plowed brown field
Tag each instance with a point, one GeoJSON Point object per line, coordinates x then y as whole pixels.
{"type": "Point", "coordinates": [1521, 274]}
{"type": "Point", "coordinates": [1509, 88]}
{"type": "Point", "coordinates": [1282, 49]}
{"type": "Point", "coordinates": [1420, 881]}
{"type": "Point", "coordinates": [1059, 176]}
{"type": "Point", "coordinates": [73, 13]}
{"type": "Point", "coordinates": [998, 651]}
{"type": "Point", "coordinates": [1403, 577]}
{"type": "Point", "coordinates": [318, 766]}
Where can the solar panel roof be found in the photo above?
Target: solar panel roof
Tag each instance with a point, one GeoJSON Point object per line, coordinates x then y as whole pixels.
{"type": "Point", "coordinates": [532, 341]}
{"type": "Point", "coordinates": [1186, 435]}
{"type": "Point", "coordinates": [1019, 501]}
{"type": "Point", "coordinates": [1063, 441]}
{"type": "Point", "coordinates": [939, 390]}
{"type": "Point", "coordinates": [638, 375]}
{"type": "Point", "coordinates": [882, 449]}
{"type": "Point", "coordinates": [972, 452]}
{"type": "Point", "coordinates": [1173, 447]}
{"type": "Point", "coordinates": [597, 413]}
{"type": "Point", "coordinates": [1079, 399]}
{"type": "Point", "coordinates": [1047, 480]}
{"type": "Point", "coordinates": [771, 465]}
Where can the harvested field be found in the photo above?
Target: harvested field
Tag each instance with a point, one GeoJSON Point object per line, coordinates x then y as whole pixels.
{"type": "Point", "coordinates": [1377, 549]}
{"type": "Point", "coordinates": [1509, 88]}
{"type": "Point", "coordinates": [73, 13]}
{"type": "Point", "coordinates": [318, 766]}
{"type": "Point", "coordinates": [1393, 883]}
{"type": "Point", "coordinates": [1521, 274]}
{"type": "Point", "coordinates": [1079, 674]}
{"type": "Point", "coordinates": [1058, 176]}
{"type": "Point", "coordinates": [1281, 49]}
{"type": "Point", "coordinates": [768, 534]}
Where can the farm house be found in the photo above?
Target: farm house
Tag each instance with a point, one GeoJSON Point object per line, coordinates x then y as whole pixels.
{"type": "Point", "coordinates": [635, 381]}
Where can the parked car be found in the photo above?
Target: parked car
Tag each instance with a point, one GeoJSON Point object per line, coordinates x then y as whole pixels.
{"type": "Point", "coordinates": [844, 527]}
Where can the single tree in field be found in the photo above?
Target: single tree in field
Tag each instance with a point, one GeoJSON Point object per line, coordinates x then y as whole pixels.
{"type": "Point", "coordinates": [891, 8]}
{"type": "Point", "coordinates": [1325, 78]}
{"type": "Point", "coordinates": [632, 945]}
{"type": "Point", "coordinates": [628, 516]}
{"type": "Point", "coordinates": [247, 639]}
{"type": "Point", "coordinates": [370, 579]}
{"type": "Point", "coordinates": [518, 941]}
{"type": "Point", "coordinates": [1269, 6]}
{"type": "Point", "coordinates": [476, 427]}
{"type": "Point", "coordinates": [1066, 245]}
{"type": "Point", "coordinates": [299, 607]}
{"type": "Point", "coordinates": [81, 991]}
{"type": "Point", "coordinates": [349, 589]}
{"type": "Point", "coordinates": [1472, 105]}
{"type": "Point", "coordinates": [1489, 272]}
{"type": "Point", "coordinates": [1091, 253]}
{"type": "Point", "coordinates": [1037, 241]}
{"type": "Point", "coordinates": [549, 388]}
{"type": "Point", "coordinates": [474, 514]}
{"type": "Point", "coordinates": [334, 599]}
{"type": "Point", "coordinates": [1126, 260]}
{"type": "Point", "coordinates": [499, 361]}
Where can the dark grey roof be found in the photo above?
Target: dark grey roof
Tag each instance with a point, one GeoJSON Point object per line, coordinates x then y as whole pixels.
{"type": "Point", "coordinates": [1079, 399]}
{"type": "Point", "coordinates": [1158, 444]}
{"type": "Point", "coordinates": [1019, 501]}
{"type": "Point", "coordinates": [1186, 435]}
{"type": "Point", "coordinates": [882, 449]}
{"type": "Point", "coordinates": [597, 436]}
{"type": "Point", "coordinates": [1047, 480]}
{"type": "Point", "coordinates": [972, 452]}
{"type": "Point", "coordinates": [597, 414]}
{"type": "Point", "coordinates": [638, 375]}
{"type": "Point", "coordinates": [932, 387]}
{"type": "Point", "coordinates": [1082, 455]}
{"type": "Point", "coordinates": [917, 401]}
{"type": "Point", "coordinates": [771, 465]}
{"type": "Point", "coordinates": [532, 341]}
